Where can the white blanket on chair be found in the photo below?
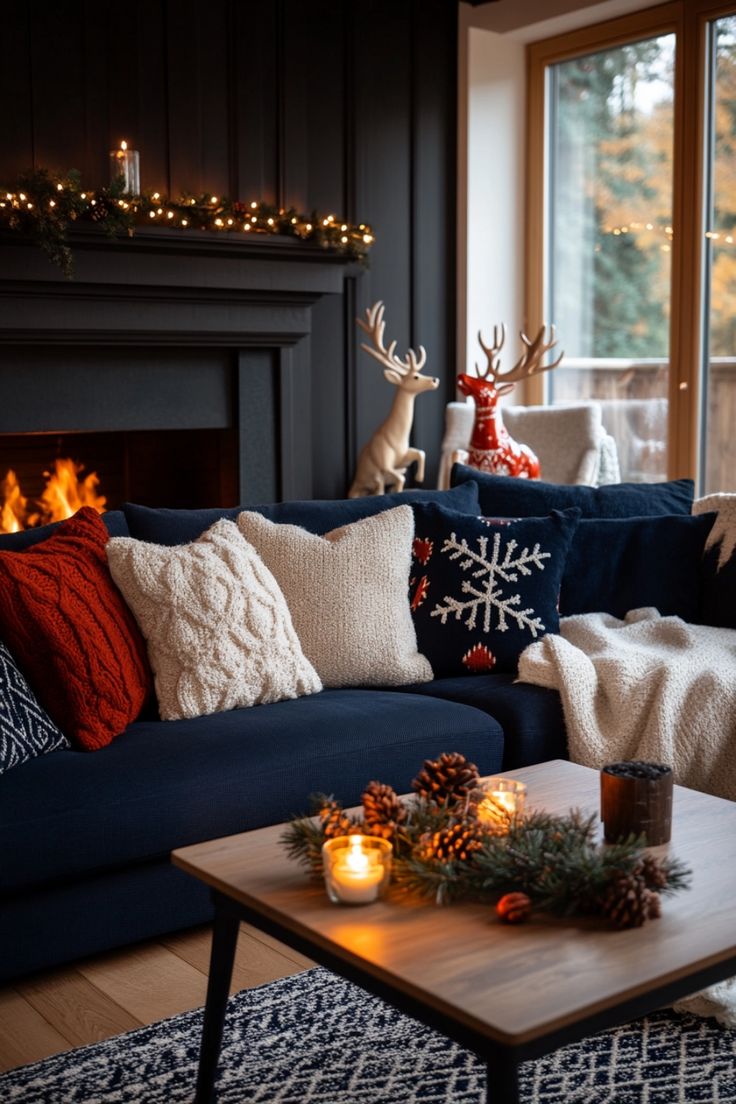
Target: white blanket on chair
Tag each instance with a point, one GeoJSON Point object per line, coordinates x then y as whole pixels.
{"type": "Point", "coordinates": [649, 687]}
{"type": "Point", "coordinates": [652, 688]}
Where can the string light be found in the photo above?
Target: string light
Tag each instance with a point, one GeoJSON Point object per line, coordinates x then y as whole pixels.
{"type": "Point", "coordinates": [634, 227]}
{"type": "Point", "coordinates": [62, 203]}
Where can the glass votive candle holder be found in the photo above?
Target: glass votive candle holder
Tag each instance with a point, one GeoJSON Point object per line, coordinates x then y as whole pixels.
{"type": "Point", "coordinates": [357, 868]}
{"type": "Point", "coordinates": [502, 803]}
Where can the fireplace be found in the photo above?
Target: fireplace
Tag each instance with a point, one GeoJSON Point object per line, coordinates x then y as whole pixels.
{"type": "Point", "coordinates": [178, 468]}
{"type": "Point", "coordinates": [177, 371]}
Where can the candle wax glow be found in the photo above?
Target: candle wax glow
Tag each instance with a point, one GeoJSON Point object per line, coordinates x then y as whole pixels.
{"type": "Point", "coordinates": [357, 874]}
{"type": "Point", "coordinates": [497, 806]}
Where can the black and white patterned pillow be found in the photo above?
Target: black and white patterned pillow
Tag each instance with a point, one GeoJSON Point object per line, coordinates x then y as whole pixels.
{"type": "Point", "coordinates": [26, 730]}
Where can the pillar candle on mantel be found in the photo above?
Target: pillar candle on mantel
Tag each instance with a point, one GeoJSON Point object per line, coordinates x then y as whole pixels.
{"type": "Point", "coordinates": [126, 163]}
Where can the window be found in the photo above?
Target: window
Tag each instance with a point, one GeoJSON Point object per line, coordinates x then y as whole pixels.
{"type": "Point", "coordinates": [718, 451]}
{"type": "Point", "coordinates": [632, 243]}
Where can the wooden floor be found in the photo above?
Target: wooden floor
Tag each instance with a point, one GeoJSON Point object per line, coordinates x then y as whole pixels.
{"type": "Point", "coordinates": [99, 997]}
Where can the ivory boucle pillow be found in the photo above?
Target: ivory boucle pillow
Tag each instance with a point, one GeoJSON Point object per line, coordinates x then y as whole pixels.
{"type": "Point", "coordinates": [348, 595]}
{"type": "Point", "coordinates": [216, 624]}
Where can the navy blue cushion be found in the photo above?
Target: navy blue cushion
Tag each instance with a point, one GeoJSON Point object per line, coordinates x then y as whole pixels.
{"type": "Point", "coordinates": [165, 784]}
{"type": "Point", "coordinates": [718, 570]}
{"type": "Point", "coordinates": [504, 496]}
{"type": "Point", "coordinates": [718, 601]}
{"type": "Point", "coordinates": [26, 730]}
{"type": "Point", "coordinates": [320, 516]}
{"type": "Point", "coordinates": [483, 588]}
{"type": "Point", "coordinates": [616, 565]}
{"type": "Point", "coordinates": [530, 716]}
{"type": "Point", "coordinates": [54, 924]}
{"type": "Point", "coordinates": [115, 521]}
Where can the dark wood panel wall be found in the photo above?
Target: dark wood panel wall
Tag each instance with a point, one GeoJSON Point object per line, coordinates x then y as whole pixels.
{"type": "Point", "coordinates": [343, 106]}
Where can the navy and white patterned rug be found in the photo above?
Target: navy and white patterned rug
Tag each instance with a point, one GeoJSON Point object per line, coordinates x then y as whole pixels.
{"type": "Point", "coordinates": [316, 1039]}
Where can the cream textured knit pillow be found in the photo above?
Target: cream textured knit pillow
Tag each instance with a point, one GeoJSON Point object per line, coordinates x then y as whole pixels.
{"type": "Point", "coordinates": [348, 595]}
{"type": "Point", "coordinates": [218, 630]}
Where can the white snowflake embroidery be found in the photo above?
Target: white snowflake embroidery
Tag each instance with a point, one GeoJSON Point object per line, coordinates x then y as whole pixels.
{"type": "Point", "coordinates": [491, 574]}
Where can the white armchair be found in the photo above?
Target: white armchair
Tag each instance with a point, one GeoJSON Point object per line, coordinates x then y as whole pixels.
{"type": "Point", "coordinates": [570, 441]}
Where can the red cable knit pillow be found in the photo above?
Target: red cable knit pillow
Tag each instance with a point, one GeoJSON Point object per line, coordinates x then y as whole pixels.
{"type": "Point", "coordinates": [77, 642]}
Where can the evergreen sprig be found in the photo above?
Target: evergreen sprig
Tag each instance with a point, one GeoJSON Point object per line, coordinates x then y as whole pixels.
{"type": "Point", "coordinates": [304, 836]}
{"type": "Point", "coordinates": [555, 860]}
{"type": "Point", "coordinates": [44, 205]}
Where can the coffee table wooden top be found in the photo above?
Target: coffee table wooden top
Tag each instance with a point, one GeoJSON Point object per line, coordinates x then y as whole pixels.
{"type": "Point", "coordinates": [511, 984]}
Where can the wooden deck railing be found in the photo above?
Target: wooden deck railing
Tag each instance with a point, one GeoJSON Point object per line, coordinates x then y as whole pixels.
{"type": "Point", "coordinates": [633, 395]}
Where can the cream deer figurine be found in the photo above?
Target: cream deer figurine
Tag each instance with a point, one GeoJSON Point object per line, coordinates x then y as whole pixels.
{"type": "Point", "coordinates": [384, 459]}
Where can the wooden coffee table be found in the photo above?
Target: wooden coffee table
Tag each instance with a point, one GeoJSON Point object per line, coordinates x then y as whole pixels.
{"type": "Point", "coordinates": [507, 993]}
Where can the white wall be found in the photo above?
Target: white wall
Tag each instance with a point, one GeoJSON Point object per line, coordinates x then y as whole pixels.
{"type": "Point", "coordinates": [491, 157]}
{"type": "Point", "coordinates": [492, 181]}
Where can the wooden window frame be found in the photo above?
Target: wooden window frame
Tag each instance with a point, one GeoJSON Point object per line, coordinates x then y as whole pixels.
{"type": "Point", "coordinates": [688, 20]}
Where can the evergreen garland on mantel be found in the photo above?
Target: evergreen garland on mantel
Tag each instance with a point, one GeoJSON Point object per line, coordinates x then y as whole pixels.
{"type": "Point", "coordinates": [442, 851]}
{"type": "Point", "coordinates": [44, 205]}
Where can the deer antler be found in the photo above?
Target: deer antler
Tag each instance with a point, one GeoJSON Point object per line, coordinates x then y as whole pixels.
{"type": "Point", "coordinates": [491, 352]}
{"type": "Point", "coordinates": [530, 361]}
{"type": "Point", "coordinates": [375, 326]}
{"type": "Point", "coordinates": [528, 364]}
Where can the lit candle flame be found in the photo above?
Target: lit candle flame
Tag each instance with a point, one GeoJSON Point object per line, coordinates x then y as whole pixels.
{"type": "Point", "coordinates": [123, 145]}
{"type": "Point", "coordinates": [356, 860]}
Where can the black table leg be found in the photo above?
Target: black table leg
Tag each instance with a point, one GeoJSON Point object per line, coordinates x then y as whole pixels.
{"type": "Point", "coordinates": [502, 1079]}
{"type": "Point", "coordinates": [224, 941]}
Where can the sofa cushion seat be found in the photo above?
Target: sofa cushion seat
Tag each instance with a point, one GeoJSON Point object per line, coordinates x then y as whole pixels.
{"type": "Point", "coordinates": [165, 784]}
{"type": "Point", "coordinates": [530, 716]}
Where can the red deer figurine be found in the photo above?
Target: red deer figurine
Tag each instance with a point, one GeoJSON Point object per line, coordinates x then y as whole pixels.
{"type": "Point", "coordinates": [491, 448]}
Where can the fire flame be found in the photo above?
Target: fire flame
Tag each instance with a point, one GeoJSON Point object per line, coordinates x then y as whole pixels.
{"type": "Point", "coordinates": [13, 504]}
{"type": "Point", "coordinates": [62, 496]}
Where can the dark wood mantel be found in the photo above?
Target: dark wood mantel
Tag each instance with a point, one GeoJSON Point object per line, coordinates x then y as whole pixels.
{"type": "Point", "coordinates": [166, 288]}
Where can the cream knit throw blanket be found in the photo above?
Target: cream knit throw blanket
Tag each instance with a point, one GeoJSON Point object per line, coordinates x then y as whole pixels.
{"type": "Point", "coordinates": [652, 688]}
{"type": "Point", "coordinates": [648, 687]}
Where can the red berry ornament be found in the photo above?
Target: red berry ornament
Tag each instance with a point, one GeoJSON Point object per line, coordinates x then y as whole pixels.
{"type": "Point", "coordinates": [514, 908]}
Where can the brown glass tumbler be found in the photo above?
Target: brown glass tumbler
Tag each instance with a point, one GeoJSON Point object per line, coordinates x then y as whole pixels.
{"type": "Point", "coordinates": [636, 798]}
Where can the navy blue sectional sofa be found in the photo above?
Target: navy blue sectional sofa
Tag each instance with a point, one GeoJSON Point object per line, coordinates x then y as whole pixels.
{"type": "Point", "coordinates": [85, 837]}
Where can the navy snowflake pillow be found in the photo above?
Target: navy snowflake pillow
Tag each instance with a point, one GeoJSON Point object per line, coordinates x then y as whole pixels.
{"type": "Point", "coordinates": [26, 730]}
{"type": "Point", "coordinates": [481, 589]}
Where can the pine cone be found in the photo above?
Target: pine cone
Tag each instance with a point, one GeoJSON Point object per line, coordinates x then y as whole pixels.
{"type": "Point", "coordinates": [627, 902]}
{"type": "Point", "coordinates": [99, 212]}
{"type": "Point", "coordinates": [654, 911]}
{"type": "Point", "coordinates": [334, 820]}
{"type": "Point", "coordinates": [382, 810]}
{"type": "Point", "coordinates": [650, 869]}
{"type": "Point", "coordinates": [456, 841]}
{"type": "Point", "coordinates": [446, 780]}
